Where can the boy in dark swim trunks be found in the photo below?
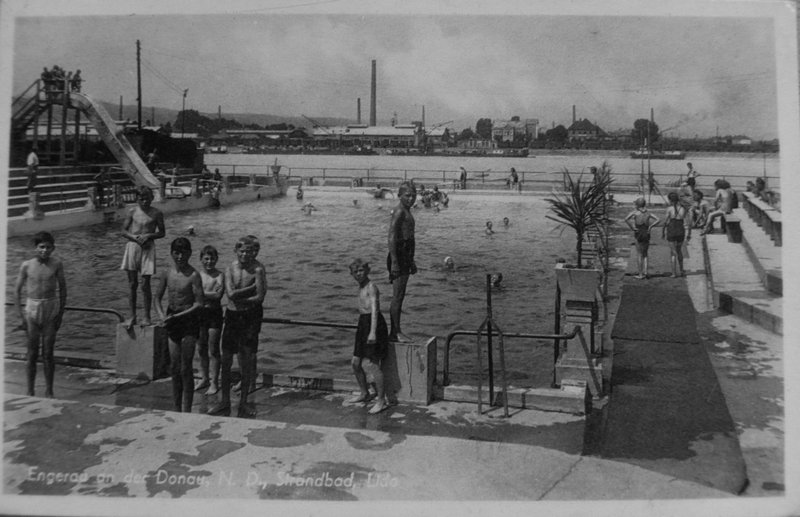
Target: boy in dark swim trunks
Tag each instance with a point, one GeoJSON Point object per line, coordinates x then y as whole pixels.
{"type": "Point", "coordinates": [181, 320]}
{"type": "Point", "coordinates": [210, 321]}
{"type": "Point", "coordinates": [372, 338]}
{"type": "Point", "coordinates": [246, 287]}
{"type": "Point", "coordinates": [400, 261]}
{"type": "Point", "coordinates": [641, 231]}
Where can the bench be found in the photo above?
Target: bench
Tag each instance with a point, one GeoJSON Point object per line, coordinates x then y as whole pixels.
{"type": "Point", "coordinates": [733, 227]}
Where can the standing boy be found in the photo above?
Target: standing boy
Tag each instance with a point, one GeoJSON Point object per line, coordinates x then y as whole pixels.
{"type": "Point", "coordinates": [43, 278]}
{"type": "Point", "coordinates": [372, 338]}
{"type": "Point", "coordinates": [181, 320]}
{"type": "Point", "coordinates": [32, 162]}
{"type": "Point", "coordinates": [641, 231]}
{"type": "Point", "coordinates": [210, 320]}
{"type": "Point", "coordinates": [400, 261]}
{"type": "Point", "coordinates": [143, 225]}
{"type": "Point", "coordinates": [245, 287]}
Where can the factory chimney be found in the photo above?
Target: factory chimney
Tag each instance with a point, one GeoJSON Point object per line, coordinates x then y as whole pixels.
{"type": "Point", "coordinates": [358, 111]}
{"type": "Point", "coordinates": [573, 114]}
{"type": "Point", "coordinates": [372, 104]}
{"type": "Point", "coordinates": [423, 116]}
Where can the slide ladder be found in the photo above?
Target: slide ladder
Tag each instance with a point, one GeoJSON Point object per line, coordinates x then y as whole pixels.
{"type": "Point", "coordinates": [115, 140]}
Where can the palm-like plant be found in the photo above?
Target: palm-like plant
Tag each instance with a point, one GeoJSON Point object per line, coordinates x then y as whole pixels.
{"type": "Point", "coordinates": [581, 205]}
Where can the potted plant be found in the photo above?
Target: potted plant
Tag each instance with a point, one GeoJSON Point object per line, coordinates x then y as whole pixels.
{"type": "Point", "coordinates": [581, 205]}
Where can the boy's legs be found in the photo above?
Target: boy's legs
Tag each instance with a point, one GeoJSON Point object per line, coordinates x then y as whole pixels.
{"type": "Point", "coordinates": [133, 286]}
{"type": "Point", "coordinates": [148, 299]}
{"type": "Point", "coordinates": [374, 370]}
{"type": "Point", "coordinates": [396, 308]}
{"type": "Point", "coordinates": [202, 351]}
{"type": "Point", "coordinates": [214, 361]}
{"type": "Point", "coordinates": [175, 372]}
{"type": "Point", "coordinates": [34, 336]}
{"type": "Point", "coordinates": [48, 359]}
{"type": "Point", "coordinates": [361, 378]}
{"type": "Point", "coordinates": [247, 358]}
{"type": "Point", "coordinates": [187, 372]}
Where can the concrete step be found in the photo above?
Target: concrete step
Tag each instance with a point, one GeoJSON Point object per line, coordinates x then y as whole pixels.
{"type": "Point", "coordinates": [737, 287]}
{"type": "Point", "coordinates": [764, 254]}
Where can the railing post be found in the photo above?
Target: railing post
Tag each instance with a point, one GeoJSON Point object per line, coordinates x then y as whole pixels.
{"type": "Point", "coordinates": [490, 362]}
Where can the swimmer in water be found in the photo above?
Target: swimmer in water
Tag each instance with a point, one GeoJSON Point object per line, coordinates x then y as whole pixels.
{"type": "Point", "coordinates": [449, 264]}
{"type": "Point", "coordinates": [497, 280]}
{"type": "Point", "coordinates": [488, 229]}
{"type": "Point", "coordinates": [190, 231]}
{"type": "Point", "coordinates": [308, 208]}
{"type": "Point", "coordinates": [506, 222]}
{"type": "Point", "coordinates": [355, 202]}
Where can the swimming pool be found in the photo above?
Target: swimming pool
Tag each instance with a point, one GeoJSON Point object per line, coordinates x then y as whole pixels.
{"type": "Point", "coordinates": [307, 258]}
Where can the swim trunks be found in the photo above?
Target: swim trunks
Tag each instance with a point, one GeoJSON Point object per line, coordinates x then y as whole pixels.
{"type": "Point", "coordinates": [140, 258]}
{"type": "Point", "coordinates": [241, 329]}
{"type": "Point", "coordinates": [183, 326]}
{"type": "Point", "coordinates": [405, 257]}
{"type": "Point", "coordinates": [372, 351]}
{"type": "Point", "coordinates": [211, 317]}
{"type": "Point", "coordinates": [42, 312]}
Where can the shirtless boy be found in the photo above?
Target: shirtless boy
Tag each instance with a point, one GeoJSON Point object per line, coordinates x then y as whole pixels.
{"type": "Point", "coordinates": [400, 261]}
{"type": "Point", "coordinates": [372, 338]}
{"type": "Point", "coordinates": [182, 320]}
{"type": "Point", "coordinates": [142, 226]}
{"type": "Point", "coordinates": [210, 321]}
{"type": "Point", "coordinates": [639, 221]}
{"type": "Point", "coordinates": [43, 279]}
{"type": "Point", "coordinates": [246, 287]}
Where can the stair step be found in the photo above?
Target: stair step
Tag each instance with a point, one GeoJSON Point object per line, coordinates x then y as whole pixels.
{"type": "Point", "coordinates": [765, 256]}
{"type": "Point", "coordinates": [737, 287]}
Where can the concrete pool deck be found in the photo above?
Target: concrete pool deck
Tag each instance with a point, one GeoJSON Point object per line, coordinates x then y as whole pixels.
{"type": "Point", "coordinates": [120, 435]}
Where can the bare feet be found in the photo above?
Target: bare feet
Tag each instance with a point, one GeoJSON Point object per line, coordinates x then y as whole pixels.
{"type": "Point", "coordinates": [200, 384]}
{"type": "Point", "coordinates": [129, 323]}
{"type": "Point", "coordinates": [220, 409]}
{"type": "Point", "coordinates": [364, 397]}
{"type": "Point", "coordinates": [212, 389]}
{"type": "Point", "coordinates": [400, 338]}
{"type": "Point", "coordinates": [378, 407]}
{"type": "Point", "coordinates": [146, 322]}
{"type": "Point", "coordinates": [237, 387]}
{"type": "Point", "coordinates": [246, 411]}
{"type": "Point", "coordinates": [639, 277]}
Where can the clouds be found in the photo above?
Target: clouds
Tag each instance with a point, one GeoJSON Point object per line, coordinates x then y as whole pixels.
{"type": "Point", "coordinates": [697, 73]}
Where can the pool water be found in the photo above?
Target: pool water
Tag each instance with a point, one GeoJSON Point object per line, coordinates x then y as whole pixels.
{"type": "Point", "coordinates": [307, 258]}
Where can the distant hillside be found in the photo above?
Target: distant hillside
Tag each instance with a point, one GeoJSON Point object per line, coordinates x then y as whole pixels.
{"type": "Point", "coordinates": [158, 116]}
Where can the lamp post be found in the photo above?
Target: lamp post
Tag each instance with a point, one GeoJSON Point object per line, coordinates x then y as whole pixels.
{"type": "Point", "coordinates": [183, 112]}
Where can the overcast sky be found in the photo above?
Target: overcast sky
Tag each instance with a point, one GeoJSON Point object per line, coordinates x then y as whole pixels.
{"type": "Point", "coordinates": [701, 75]}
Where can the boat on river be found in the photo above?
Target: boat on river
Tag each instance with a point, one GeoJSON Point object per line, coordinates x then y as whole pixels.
{"type": "Point", "coordinates": [644, 153]}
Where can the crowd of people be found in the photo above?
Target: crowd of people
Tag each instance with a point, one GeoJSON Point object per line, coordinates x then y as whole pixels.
{"type": "Point", "coordinates": [58, 80]}
{"type": "Point", "coordinates": [687, 209]}
{"type": "Point", "coordinates": [194, 316]}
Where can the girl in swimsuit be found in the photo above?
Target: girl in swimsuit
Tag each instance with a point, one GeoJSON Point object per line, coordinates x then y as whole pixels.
{"type": "Point", "coordinates": [675, 231]}
{"type": "Point", "coordinates": [641, 230]}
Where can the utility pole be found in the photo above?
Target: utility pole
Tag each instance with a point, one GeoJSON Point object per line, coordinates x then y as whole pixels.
{"type": "Point", "coordinates": [183, 112]}
{"type": "Point", "coordinates": [138, 85]}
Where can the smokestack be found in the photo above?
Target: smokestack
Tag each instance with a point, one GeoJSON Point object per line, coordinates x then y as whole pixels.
{"type": "Point", "coordinates": [120, 107]}
{"type": "Point", "coordinates": [372, 104]}
{"type": "Point", "coordinates": [573, 114]}
{"type": "Point", "coordinates": [219, 111]}
{"type": "Point", "coordinates": [423, 116]}
{"type": "Point", "coordinates": [358, 111]}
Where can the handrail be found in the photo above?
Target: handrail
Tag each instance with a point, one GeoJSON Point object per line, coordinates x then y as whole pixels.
{"type": "Point", "coordinates": [84, 309]}
{"type": "Point", "coordinates": [450, 336]}
{"type": "Point", "coordinates": [287, 321]}
{"type": "Point", "coordinates": [22, 95]}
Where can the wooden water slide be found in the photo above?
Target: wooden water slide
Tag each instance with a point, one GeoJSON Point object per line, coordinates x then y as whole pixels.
{"type": "Point", "coordinates": [115, 140]}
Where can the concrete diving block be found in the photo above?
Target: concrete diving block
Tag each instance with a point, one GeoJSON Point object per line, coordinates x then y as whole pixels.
{"type": "Point", "coordinates": [733, 227]}
{"type": "Point", "coordinates": [410, 371]}
{"type": "Point", "coordinates": [142, 351]}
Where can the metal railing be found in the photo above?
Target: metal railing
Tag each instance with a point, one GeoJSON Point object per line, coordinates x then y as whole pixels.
{"type": "Point", "coordinates": [446, 361]}
{"type": "Point", "coordinates": [119, 316]}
